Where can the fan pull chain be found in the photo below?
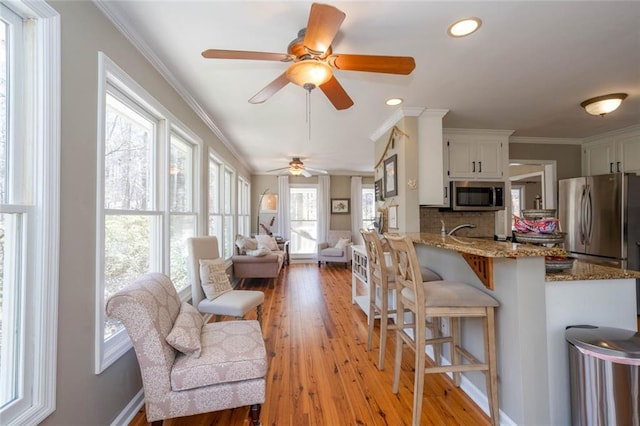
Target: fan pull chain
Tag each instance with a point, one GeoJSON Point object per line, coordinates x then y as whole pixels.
{"type": "Point", "coordinates": [309, 113]}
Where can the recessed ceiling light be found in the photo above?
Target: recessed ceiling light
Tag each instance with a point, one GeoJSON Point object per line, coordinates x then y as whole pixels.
{"type": "Point", "coordinates": [464, 27]}
{"type": "Point", "coordinates": [394, 101]}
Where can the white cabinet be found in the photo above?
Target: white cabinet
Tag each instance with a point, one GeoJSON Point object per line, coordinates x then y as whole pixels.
{"type": "Point", "coordinates": [476, 154]}
{"type": "Point", "coordinates": [612, 154]}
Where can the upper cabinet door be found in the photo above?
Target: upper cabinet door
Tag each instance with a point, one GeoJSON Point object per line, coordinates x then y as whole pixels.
{"type": "Point", "coordinates": [462, 161]}
{"type": "Point", "coordinates": [600, 158]}
{"type": "Point", "coordinates": [489, 159]}
{"type": "Point", "coordinates": [629, 153]}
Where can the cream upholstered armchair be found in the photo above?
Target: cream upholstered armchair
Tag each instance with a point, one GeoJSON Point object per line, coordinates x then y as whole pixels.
{"type": "Point", "coordinates": [332, 251]}
{"type": "Point", "coordinates": [219, 366]}
{"type": "Point", "coordinates": [235, 303]}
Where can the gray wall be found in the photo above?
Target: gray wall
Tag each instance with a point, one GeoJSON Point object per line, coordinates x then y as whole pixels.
{"type": "Point", "coordinates": [568, 157]}
{"type": "Point", "coordinates": [82, 396]}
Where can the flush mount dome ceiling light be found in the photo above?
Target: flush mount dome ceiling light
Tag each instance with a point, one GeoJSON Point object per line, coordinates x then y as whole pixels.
{"type": "Point", "coordinates": [464, 27]}
{"type": "Point", "coordinates": [602, 105]}
{"type": "Point", "coordinates": [394, 101]}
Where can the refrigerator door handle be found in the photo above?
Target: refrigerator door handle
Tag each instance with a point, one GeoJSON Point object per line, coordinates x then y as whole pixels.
{"type": "Point", "coordinates": [582, 217]}
{"type": "Point", "coordinates": [589, 216]}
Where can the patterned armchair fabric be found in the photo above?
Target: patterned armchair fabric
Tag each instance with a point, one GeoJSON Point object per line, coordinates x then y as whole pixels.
{"type": "Point", "coordinates": [327, 252]}
{"type": "Point", "coordinates": [229, 373]}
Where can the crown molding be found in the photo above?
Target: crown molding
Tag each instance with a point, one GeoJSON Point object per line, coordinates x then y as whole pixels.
{"type": "Point", "coordinates": [478, 131]}
{"type": "Point", "coordinates": [619, 132]}
{"type": "Point", "coordinates": [134, 38]}
{"type": "Point", "coordinates": [542, 140]}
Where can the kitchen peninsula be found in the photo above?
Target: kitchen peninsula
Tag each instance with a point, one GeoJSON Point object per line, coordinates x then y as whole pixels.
{"type": "Point", "coordinates": [535, 307]}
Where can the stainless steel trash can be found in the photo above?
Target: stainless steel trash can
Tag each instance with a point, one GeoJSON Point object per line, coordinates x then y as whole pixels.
{"type": "Point", "coordinates": [604, 365]}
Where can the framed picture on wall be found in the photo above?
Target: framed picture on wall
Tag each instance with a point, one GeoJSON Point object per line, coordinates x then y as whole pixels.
{"type": "Point", "coordinates": [391, 176]}
{"type": "Point", "coordinates": [393, 217]}
{"type": "Point", "coordinates": [339, 205]}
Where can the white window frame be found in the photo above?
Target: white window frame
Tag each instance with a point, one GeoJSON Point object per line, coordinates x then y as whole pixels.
{"type": "Point", "coordinates": [223, 210]}
{"type": "Point", "coordinates": [113, 79]}
{"type": "Point", "coordinates": [39, 203]}
{"type": "Point", "coordinates": [291, 220]}
{"type": "Point", "coordinates": [243, 225]}
{"type": "Point", "coordinates": [369, 187]}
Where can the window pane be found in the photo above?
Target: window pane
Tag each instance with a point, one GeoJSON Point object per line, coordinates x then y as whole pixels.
{"type": "Point", "coordinates": [304, 224]}
{"type": "Point", "coordinates": [228, 191]}
{"type": "Point", "coordinates": [182, 227]}
{"type": "Point", "coordinates": [215, 226]}
{"type": "Point", "coordinates": [516, 200]}
{"type": "Point", "coordinates": [181, 176]}
{"type": "Point", "coordinates": [227, 247]}
{"type": "Point", "coordinates": [128, 173]}
{"type": "Point", "coordinates": [214, 187]}
{"type": "Point", "coordinates": [128, 245]}
{"type": "Point", "coordinates": [11, 286]}
{"type": "Point", "coordinates": [4, 95]}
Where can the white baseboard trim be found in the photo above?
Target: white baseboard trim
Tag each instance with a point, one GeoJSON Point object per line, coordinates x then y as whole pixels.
{"type": "Point", "coordinates": [126, 416]}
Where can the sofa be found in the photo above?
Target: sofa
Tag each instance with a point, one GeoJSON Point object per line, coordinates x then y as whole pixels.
{"type": "Point", "coordinates": [257, 257]}
{"type": "Point", "coordinates": [337, 248]}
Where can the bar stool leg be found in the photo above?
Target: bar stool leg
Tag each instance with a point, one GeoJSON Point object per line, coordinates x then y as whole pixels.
{"type": "Point", "coordinates": [372, 314]}
{"type": "Point", "coordinates": [455, 343]}
{"type": "Point", "coordinates": [418, 387]}
{"type": "Point", "coordinates": [384, 325]}
{"type": "Point", "coordinates": [490, 359]}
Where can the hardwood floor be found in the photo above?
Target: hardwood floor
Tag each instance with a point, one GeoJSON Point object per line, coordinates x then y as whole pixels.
{"type": "Point", "coordinates": [320, 372]}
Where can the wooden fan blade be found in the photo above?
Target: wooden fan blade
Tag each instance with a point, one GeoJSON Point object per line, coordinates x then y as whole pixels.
{"type": "Point", "coordinates": [372, 63]}
{"type": "Point", "coordinates": [270, 89]}
{"type": "Point", "coordinates": [336, 94]}
{"type": "Point", "coordinates": [323, 25]}
{"type": "Point", "coordinates": [242, 54]}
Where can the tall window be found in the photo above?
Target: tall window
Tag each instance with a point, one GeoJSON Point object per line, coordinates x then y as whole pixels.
{"type": "Point", "coordinates": [368, 206]}
{"type": "Point", "coordinates": [183, 206]}
{"type": "Point", "coordinates": [304, 219]}
{"type": "Point", "coordinates": [147, 200]}
{"type": "Point", "coordinates": [221, 204]}
{"type": "Point", "coordinates": [29, 200]}
{"type": "Point", "coordinates": [244, 206]}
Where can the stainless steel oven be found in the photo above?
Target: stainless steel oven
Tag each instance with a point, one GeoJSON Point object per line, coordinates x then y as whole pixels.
{"type": "Point", "coordinates": [477, 195]}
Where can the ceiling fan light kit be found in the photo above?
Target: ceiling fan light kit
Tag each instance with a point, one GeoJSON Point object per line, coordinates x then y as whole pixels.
{"type": "Point", "coordinates": [313, 59]}
{"type": "Point", "coordinates": [309, 73]}
{"type": "Point", "coordinates": [605, 104]}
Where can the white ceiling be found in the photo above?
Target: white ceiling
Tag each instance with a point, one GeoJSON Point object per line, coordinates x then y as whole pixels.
{"type": "Point", "coordinates": [527, 69]}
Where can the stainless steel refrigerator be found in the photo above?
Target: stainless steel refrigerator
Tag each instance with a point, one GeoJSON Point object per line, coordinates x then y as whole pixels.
{"type": "Point", "coordinates": [601, 216]}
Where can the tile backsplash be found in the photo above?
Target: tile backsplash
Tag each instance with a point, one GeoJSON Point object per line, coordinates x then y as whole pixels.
{"type": "Point", "coordinates": [430, 218]}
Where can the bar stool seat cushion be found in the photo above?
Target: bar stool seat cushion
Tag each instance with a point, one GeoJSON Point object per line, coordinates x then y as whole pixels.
{"type": "Point", "coordinates": [451, 294]}
{"type": "Point", "coordinates": [427, 274]}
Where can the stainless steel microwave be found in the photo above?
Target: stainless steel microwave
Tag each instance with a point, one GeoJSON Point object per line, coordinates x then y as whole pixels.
{"type": "Point", "coordinates": [477, 195]}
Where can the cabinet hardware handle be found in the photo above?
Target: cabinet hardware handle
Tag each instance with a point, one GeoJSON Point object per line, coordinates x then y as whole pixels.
{"type": "Point", "coordinates": [474, 166]}
{"type": "Point", "coordinates": [480, 165]}
{"type": "Point", "coordinates": [618, 166]}
{"type": "Point", "coordinates": [610, 167]}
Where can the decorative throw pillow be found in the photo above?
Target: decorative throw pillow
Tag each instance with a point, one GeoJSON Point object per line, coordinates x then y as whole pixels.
{"type": "Point", "coordinates": [258, 252]}
{"type": "Point", "coordinates": [267, 241]}
{"type": "Point", "coordinates": [342, 243]}
{"type": "Point", "coordinates": [186, 331]}
{"type": "Point", "coordinates": [213, 277]}
{"type": "Point", "coordinates": [245, 243]}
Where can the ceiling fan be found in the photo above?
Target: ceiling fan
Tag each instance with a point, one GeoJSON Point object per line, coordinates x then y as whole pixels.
{"type": "Point", "coordinates": [313, 59]}
{"type": "Point", "coordinates": [296, 167]}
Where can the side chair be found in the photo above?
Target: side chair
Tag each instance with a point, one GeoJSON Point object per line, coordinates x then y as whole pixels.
{"type": "Point", "coordinates": [234, 303]}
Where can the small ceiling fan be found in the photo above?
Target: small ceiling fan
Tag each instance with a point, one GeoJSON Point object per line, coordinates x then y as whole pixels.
{"type": "Point", "coordinates": [296, 167]}
{"type": "Point", "coordinates": [313, 59]}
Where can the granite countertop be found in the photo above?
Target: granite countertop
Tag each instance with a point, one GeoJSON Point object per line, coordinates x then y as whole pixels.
{"type": "Point", "coordinates": [483, 247]}
{"type": "Point", "coordinates": [583, 271]}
